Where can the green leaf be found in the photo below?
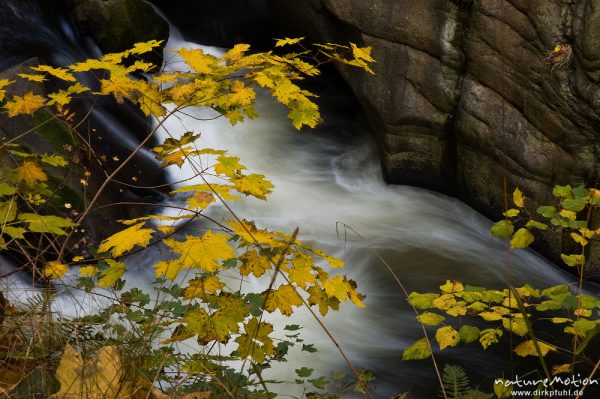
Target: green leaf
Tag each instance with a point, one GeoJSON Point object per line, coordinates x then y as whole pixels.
{"type": "Point", "coordinates": [547, 211]}
{"type": "Point", "coordinates": [536, 225]}
{"type": "Point", "coordinates": [430, 319]}
{"type": "Point", "coordinates": [573, 260]}
{"type": "Point", "coordinates": [417, 351]}
{"type": "Point", "coordinates": [468, 334]}
{"type": "Point", "coordinates": [112, 274]}
{"type": "Point", "coordinates": [8, 211]}
{"type": "Point", "coordinates": [562, 191]}
{"type": "Point", "coordinates": [422, 301]}
{"type": "Point", "coordinates": [54, 160]}
{"type": "Point", "coordinates": [511, 213]}
{"type": "Point", "coordinates": [581, 192]}
{"type": "Point", "coordinates": [522, 239]}
{"type": "Point", "coordinates": [304, 372]}
{"type": "Point", "coordinates": [502, 388]}
{"type": "Point", "coordinates": [574, 205]}
{"type": "Point", "coordinates": [7, 189]}
{"type": "Point", "coordinates": [503, 229]}
{"type": "Point", "coordinates": [46, 224]}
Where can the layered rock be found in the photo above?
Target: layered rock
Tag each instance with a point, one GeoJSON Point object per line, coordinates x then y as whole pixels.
{"type": "Point", "coordinates": [474, 98]}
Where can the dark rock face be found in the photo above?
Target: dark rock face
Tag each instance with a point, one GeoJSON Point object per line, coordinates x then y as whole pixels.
{"type": "Point", "coordinates": [115, 25]}
{"type": "Point", "coordinates": [470, 97]}
{"type": "Point", "coordinates": [42, 133]}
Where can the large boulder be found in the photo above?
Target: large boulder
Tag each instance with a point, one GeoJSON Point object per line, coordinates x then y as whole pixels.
{"type": "Point", "coordinates": [116, 25]}
{"type": "Point", "coordinates": [474, 98]}
{"type": "Point", "coordinates": [93, 149]}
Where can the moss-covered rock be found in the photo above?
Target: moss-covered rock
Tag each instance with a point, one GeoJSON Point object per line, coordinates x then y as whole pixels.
{"type": "Point", "coordinates": [115, 25]}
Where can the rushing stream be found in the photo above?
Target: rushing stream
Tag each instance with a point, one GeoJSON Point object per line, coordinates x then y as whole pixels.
{"type": "Point", "coordinates": [331, 177]}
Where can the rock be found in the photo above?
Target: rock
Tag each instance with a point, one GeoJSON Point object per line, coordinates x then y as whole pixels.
{"type": "Point", "coordinates": [472, 98]}
{"type": "Point", "coordinates": [221, 23]}
{"type": "Point", "coordinates": [43, 133]}
{"type": "Point", "coordinates": [116, 25]}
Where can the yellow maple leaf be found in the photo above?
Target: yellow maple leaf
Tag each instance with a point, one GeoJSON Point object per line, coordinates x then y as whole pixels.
{"type": "Point", "coordinates": [228, 166]}
{"type": "Point", "coordinates": [55, 270]}
{"type": "Point", "coordinates": [3, 84]}
{"type": "Point", "coordinates": [253, 184]}
{"type": "Point", "coordinates": [59, 73]}
{"type": "Point", "coordinates": [113, 273]}
{"type": "Point", "coordinates": [97, 378]}
{"type": "Point", "coordinates": [283, 298]}
{"type": "Point", "coordinates": [301, 272]}
{"type": "Point", "coordinates": [33, 77]}
{"type": "Point", "coordinates": [198, 288]}
{"type": "Point", "coordinates": [200, 200]}
{"type": "Point", "coordinates": [287, 41]}
{"type": "Point", "coordinates": [318, 296]}
{"type": "Point", "coordinates": [61, 97]}
{"type": "Point", "coordinates": [254, 263]}
{"type": "Point", "coordinates": [249, 233]}
{"type": "Point", "coordinates": [447, 336]}
{"type": "Point", "coordinates": [89, 271]}
{"type": "Point", "coordinates": [236, 52]}
{"type": "Point", "coordinates": [145, 47]}
{"type": "Point", "coordinates": [241, 94]}
{"type": "Point", "coordinates": [198, 60]}
{"type": "Point", "coordinates": [125, 240]}
{"type": "Point", "coordinates": [30, 173]}
{"type": "Point", "coordinates": [256, 343]}
{"type": "Point", "coordinates": [527, 348]}
{"type": "Point", "coordinates": [201, 252]}
{"type": "Point", "coordinates": [27, 104]}
{"type": "Point", "coordinates": [338, 287]}
{"type": "Point", "coordinates": [362, 53]}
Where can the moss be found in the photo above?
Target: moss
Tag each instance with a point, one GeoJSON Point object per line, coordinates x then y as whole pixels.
{"type": "Point", "coordinates": [53, 130]}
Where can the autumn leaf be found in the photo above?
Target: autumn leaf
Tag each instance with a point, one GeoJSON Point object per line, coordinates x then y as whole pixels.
{"type": "Point", "coordinates": [254, 263]}
{"type": "Point", "coordinates": [417, 351]}
{"type": "Point", "coordinates": [3, 84]}
{"type": "Point", "coordinates": [518, 198]}
{"type": "Point", "coordinates": [203, 253]}
{"type": "Point", "coordinates": [489, 336]}
{"type": "Point", "coordinates": [301, 271]}
{"type": "Point", "coordinates": [30, 173]}
{"type": "Point", "coordinates": [527, 348]}
{"type": "Point", "coordinates": [228, 166]}
{"type": "Point", "coordinates": [200, 200]}
{"type": "Point", "coordinates": [447, 336]}
{"type": "Point", "coordinates": [249, 233]}
{"type": "Point", "coordinates": [55, 270]}
{"type": "Point", "coordinates": [236, 52]}
{"type": "Point", "coordinates": [33, 78]}
{"type": "Point", "coordinates": [253, 184]}
{"type": "Point", "coordinates": [283, 298]}
{"type": "Point", "coordinates": [113, 273]}
{"type": "Point", "coordinates": [199, 288]}
{"type": "Point", "coordinates": [198, 60]}
{"type": "Point", "coordinates": [145, 47]}
{"type": "Point", "coordinates": [27, 104]}
{"type": "Point", "coordinates": [256, 343]}
{"type": "Point", "coordinates": [96, 378]}
{"type": "Point", "coordinates": [287, 41]}
{"type": "Point", "coordinates": [318, 296]}
{"type": "Point", "coordinates": [124, 240]}
{"type": "Point", "coordinates": [430, 319]}
{"type": "Point", "coordinates": [59, 73]}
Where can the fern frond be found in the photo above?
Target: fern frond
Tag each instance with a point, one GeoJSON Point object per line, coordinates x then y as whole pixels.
{"type": "Point", "coordinates": [456, 382]}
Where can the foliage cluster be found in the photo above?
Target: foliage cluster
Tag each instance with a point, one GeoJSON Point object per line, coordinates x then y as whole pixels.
{"type": "Point", "coordinates": [137, 342]}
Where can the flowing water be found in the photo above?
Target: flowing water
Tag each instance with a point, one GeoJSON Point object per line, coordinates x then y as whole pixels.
{"type": "Point", "coordinates": [330, 178]}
